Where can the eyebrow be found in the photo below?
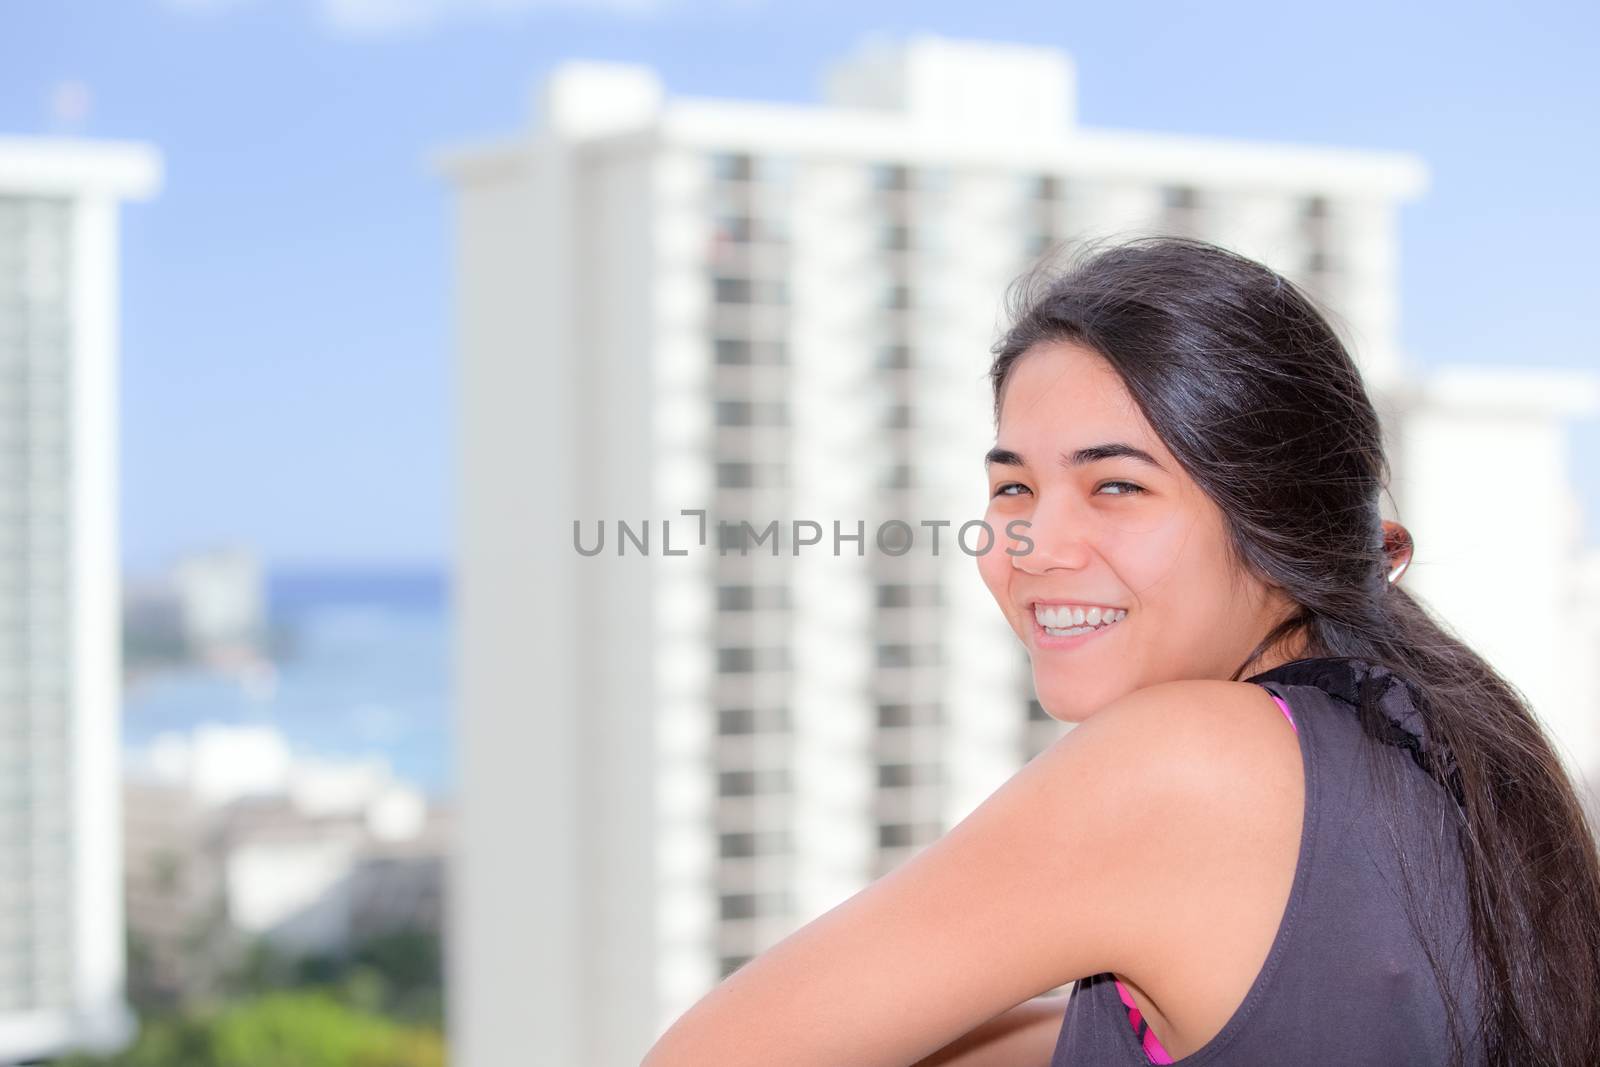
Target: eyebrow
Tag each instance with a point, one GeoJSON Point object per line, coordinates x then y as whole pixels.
{"type": "Point", "coordinates": [1091, 454]}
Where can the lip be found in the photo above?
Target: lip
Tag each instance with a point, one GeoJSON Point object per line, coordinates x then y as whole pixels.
{"type": "Point", "coordinates": [1063, 644]}
{"type": "Point", "coordinates": [1071, 604]}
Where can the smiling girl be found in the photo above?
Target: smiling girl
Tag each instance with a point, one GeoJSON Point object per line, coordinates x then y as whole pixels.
{"type": "Point", "coordinates": [1298, 821]}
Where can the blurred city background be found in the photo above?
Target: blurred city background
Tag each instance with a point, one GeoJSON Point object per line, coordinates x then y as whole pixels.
{"type": "Point", "coordinates": [322, 323]}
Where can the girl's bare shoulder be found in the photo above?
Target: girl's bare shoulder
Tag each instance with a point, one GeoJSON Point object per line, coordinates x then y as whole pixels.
{"type": "Point", "coordinates": [1215, 806]}
{"type": "Point", "coordinates": [1156, 833]}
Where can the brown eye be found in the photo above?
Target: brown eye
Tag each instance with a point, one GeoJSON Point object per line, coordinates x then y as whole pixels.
{"type": "Point", "coordinates": [1127, 488]}
{"type": "Point", "coordinates": [1004, 489]}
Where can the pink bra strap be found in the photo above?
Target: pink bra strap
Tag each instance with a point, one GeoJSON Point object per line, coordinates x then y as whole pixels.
{"type": "Point", "coordinates": [1286, 714]}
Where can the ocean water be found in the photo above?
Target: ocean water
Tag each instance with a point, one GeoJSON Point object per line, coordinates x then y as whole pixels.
{"type": "Point", "coordinates": [363, 670]}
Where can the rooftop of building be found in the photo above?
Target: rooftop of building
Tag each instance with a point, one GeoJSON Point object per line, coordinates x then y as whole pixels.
{"type": "Point", "coordinates": [930, 100]}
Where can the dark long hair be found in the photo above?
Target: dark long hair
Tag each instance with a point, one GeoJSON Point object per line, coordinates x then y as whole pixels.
{"type": "Point", "coordinates": [1251, 389]}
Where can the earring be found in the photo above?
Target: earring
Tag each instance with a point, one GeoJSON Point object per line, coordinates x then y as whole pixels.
{"type": "Point", "coordinates": [1398, 546]}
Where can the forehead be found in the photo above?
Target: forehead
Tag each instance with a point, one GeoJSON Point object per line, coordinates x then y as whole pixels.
{"type": "Point", "coordinates": [1061, 386]}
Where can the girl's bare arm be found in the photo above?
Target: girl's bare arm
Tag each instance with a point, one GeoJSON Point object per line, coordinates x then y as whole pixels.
{"type": "Point", "coordinates": [1025, 1036]}
{"type": "Point", "coordinates": [1034, 888]}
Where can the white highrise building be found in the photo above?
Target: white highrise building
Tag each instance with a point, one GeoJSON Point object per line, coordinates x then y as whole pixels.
{"type": "Point", "coordinates": [61, 927]}
{"type": "Point", "coordinates": [771, 312]}
{"type": "Point", "coordinates": [1484, 480]}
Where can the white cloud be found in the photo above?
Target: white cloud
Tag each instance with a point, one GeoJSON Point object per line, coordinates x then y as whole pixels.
{"type": "Point", "coordinates": [384, 16]}
{"type": "Point", "coordinates": [204, 7]}
{"type": "Point", "coordinates": [70, 103]}
{"type": "Point", "coordinates": [377, 17]}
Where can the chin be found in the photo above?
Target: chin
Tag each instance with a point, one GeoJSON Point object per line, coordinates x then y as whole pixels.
{"type": "Point", "coordinates": [1060, 707]}
{"type": "Point", "coordinates": [1067, 702]}
{"type": "Point", "coordinates": [1070, 715]}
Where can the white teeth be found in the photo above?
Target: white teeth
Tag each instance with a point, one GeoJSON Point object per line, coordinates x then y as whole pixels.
{"type": "Point", "coordinates": [1064, 621]}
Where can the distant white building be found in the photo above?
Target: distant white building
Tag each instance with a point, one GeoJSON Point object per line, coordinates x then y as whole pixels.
{"type": "Point", "coordinates": [209, 606]}
{"type": "Point", "coordinates": [61, 936]}
{"type": "Point", "coordinates": [223, 593]}
{"type": "Point", "coordinates": [776, 312]}
{"type": "Point", "coordinates": [231, 838]}
{"type": "Point", "coordinates": [1484, 480]}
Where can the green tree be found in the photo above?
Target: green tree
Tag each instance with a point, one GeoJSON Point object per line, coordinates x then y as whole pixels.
{"type": "Point", "coordinates": [285, 1029]}
{"type": "Point", "coordinates": [315, 1030]}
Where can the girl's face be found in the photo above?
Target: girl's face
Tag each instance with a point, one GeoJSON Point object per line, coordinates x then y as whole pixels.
{"type": "Point", "coordinates": [1118, 530]}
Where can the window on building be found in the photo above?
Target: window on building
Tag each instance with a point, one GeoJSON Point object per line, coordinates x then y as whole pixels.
{"type": "Point", "coordinates": [751, 597]}
{"type": "Point", "coordinates": [740, 291]}
{"type": "Point", "coordinates": [741, 352]}
{"type": "Point", "coordinates": [732, 166]}
{"type": "Point", "coordinates": [1182, 209]}
{"type": "Point", "coordinates": [892, 716]}
{"type": "Point", "coordinates": [895, 237]}
{"type": "Point", "coordinates": [738, 906]}
{"type": "Point", "coordinates": [894, 357]}
{"type": "Point", "coordinates": [752, 720]}
{"type": "Point", "coordinates": [1180, 198]}
{"type": "Point", "coordinates": [906, 595]}
{"type": "Point", "coordinates": [733, 412]}
{"type": "Point", "coordinates": [751, 782]}
{"type": "Point", "coordinates": [735, 721]}
{"type": "Point", "coordinates": [906, 775]}
{"type": "Point", "coordinates": [753, 905]}
{"type": "Point", "coordinates": [895, 595]}
{"type": "Point", "coordinates": [746, 537]}
{"type": "Point", "coordinates": [747, 845]}
{"type": "Point", "coordinates": [897, 476]}
{"type": "Point", "coordinates": [743, 660]}
{"type": "Point", "coordinates": [897, 655]}
{"type": "Point", "coordinates": [732, 290]}
{"type": "Point", "coordinates": [735, 475]}
{"type": "Point", "coordinates": [891, 177]}
{"type": "Point", "coordinates": [737, 229]}
{"type": "Point", "coordinates": [736, 846]}
{"type": "Point", "coordinates": [736, 660]}
{"type": "Point", "coordinates": [895, 715]}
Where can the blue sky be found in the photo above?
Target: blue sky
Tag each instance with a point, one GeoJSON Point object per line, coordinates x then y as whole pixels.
{"type": "Point", "coordinates": [286, 332]}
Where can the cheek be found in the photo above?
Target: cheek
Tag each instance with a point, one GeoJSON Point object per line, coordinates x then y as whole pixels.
{"type": "Point", "coordinates": [994, 566]}
{"type": "Point", "coordinates": [1181, 574]}
{"type": "Point", "coordinates": [1162, 562]}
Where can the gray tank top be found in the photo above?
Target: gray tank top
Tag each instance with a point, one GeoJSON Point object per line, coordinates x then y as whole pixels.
{"type": "Point", "coordinates": [1347, 980]}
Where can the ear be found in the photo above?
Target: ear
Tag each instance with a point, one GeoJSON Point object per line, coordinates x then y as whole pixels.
{"type": "Point", "coordinates": [1398, 546]}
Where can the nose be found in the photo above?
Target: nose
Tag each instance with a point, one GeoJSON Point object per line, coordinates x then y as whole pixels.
{"type": "Point", "coordinates": [1054, 542]}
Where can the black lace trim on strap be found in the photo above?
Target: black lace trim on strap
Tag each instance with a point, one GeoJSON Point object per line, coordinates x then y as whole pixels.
{"type": "Point", "coordinates": [1385, 699]}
